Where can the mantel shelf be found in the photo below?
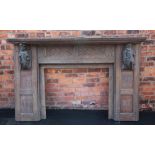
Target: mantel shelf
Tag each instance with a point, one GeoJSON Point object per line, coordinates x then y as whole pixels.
{"type": "Point", "coordinates": [79, 40]}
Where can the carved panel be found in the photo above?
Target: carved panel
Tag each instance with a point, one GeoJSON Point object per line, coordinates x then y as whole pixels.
{"type": "Point", "coordinates": [126, 104]}
{"type": "Point", "coordinates": [26, 93]}
{"type": "Point", "coordinates": [127, 79]}
{"type": "Point", "coordinates": [26, 80]}
{"type": "Point", "coordinates": [57, 52]}
{"type": "Point", "coordinates": [92, 51]}
{"type": "Point", "coordinates": [26, 104]}
{"type": "Point", "coordinates": [76, 54]}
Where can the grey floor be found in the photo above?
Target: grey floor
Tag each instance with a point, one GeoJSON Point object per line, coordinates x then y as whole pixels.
{"type": "Point", "coordinates": [75, 117]}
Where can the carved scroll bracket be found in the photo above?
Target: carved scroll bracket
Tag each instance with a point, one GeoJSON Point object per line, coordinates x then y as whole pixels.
{"type": "Point", "coordinates": [25, 58]}
{"type": "Point", "coordinates": [128, 57]}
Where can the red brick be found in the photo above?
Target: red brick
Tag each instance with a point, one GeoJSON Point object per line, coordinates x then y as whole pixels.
{"type": "Point", "coordinates": [52, 89]}
{"type": "Point", "coordinates": [9, 72]}
{"type": "Point", "coordinates": [153, 36]}
{"type": "Point", "coordinates": [66, 71]}
{"type": "Point", "coordinates": [52, 80]}
{"type": "Point", "coordinates": [105, 69]}
{"type": "Point", "coordinates": [152, 48]}
{"type": "Point", "coordinates": [22, 35]}
{"type": "Point", "coordinates": [71, 75]}
{"type": "Point", "coordinates": [94, 70]}
{"type": "Point", "coordinates": [40, 35]}
{"type": "Point", "coordinates": [3, 35]}
{"type": "Point", "coordinates": [51, 85]}
{"type": "Point", "coordinates": [110, 32]}
{"type": "Point", "coordinates": [80, 70]}
{"type": "Point", "coordinates": [52, 94]}
{"type": "Point", "coordinates": [1, 57]}
{"type": "Point", "coordinates": [93, 80]}
{"type": "Point", "coordinates": [69, 94]}
{"type": "Point", "coordinates": [149, 79]}
{"type": "Point", "coordinates": [89, 85]}
{"type": "Point", "coordinates": [151, 58]}
{"type": "Point", "coordinates": [6, 67]}
{"type": "Point", "coordinates": [3, 99]}
{"type": "Point", "coordinates": [148, 93]}
{"type": "Point", "coordinates": [133, 31]}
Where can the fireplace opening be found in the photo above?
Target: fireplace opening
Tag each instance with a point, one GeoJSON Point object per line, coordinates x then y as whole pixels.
{"type": "Point", "coordinates": [72, 87]}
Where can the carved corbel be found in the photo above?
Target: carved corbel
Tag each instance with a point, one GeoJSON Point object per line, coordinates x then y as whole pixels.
{"type": "Point", "coordinates": [25, 59]}
{"type": "Point", "coordinates": [128, 57]}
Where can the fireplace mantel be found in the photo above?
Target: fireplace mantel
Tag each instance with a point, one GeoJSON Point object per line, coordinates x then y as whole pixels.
{"type": "Point", "coordinates": [79, 40]}
{"type": "Point", "coordinates": [119, 54]}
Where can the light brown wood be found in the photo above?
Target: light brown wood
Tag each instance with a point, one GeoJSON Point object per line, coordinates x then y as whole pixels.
{"type": "Point", "coordinates": [80, 40]}
{"type": "Point", "coordinates": [17, 85]}
{"type": "Point", "coordinates": [36, 102]}
{"type": "Point", "coordinates": [42, 93]}
{"type": "Point", "coordinates": [27, 104]}
{"type": "Point", "coordinates": [111, 93]}
{"type": "Point", "coordinates": [77, 52]}
{"type": "Point", "coordinates": [136, 82]}
{"type": "Point", "coordinates": [129, 91]}
{"type": "Point", "coordinates": [117, 78]}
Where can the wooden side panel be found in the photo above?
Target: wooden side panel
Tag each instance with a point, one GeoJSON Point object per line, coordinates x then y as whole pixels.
{"type": "Point", "coordinates": [27, 107]}
{"type": "Point", "coordinates": [111, 94]}
{"type": "Point", "coordinates": [127, 90]}
{"type": "Point", "coordinates": [26, 98]}
{"type": "Point", "coordinates": [136, 82]}
{"type": "Point", "coordinates": [117, 72]}
{"type": "Point", "coordinates": [42, 93]}
{"type": "Point", "coordinates": [17, 86]}
{"type": "Point", "coordinates": [126, 95]}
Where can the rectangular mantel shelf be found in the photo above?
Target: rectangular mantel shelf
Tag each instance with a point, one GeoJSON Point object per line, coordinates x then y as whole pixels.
{"type": "Point", "coordinates": [79, 40]}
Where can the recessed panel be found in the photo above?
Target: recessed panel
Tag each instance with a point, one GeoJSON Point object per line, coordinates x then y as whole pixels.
{"type": "Point", "coordinates": [127, 79]}
{"type": "Point", "coordinates": [126, 104]}
{"type": "Point", "coordinates": [26, 104]}
{"type": "Point", "coordinates": [26, 80]}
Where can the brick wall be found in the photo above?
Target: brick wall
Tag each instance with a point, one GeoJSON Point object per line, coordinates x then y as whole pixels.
{"type": "Point", "coordinates": [83, 88]}
{"type": "Point", "coordinates": [147, 66]}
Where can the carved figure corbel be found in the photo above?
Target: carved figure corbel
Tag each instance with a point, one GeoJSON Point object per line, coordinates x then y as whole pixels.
{"type": "Point", "coordinates": [24, 57]}
{"type": "Point", "coordinates": [128, 57]}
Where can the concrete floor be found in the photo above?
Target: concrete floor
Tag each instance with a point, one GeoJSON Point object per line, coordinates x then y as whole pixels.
{"type": "Point", "coordinates": [75, 117]}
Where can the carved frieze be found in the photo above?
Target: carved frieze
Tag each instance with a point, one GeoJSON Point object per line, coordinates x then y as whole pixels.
{"type": "Point", "coordinates": [91, 51]}
{"type": "Point", "coordinates": [76, 54]}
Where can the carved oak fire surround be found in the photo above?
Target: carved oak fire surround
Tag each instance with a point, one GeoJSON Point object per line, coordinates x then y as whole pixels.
{"type": "Point", "coordinates": [119, 54]}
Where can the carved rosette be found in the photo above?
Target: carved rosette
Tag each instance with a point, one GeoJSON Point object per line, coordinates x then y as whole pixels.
{"type": "Point", "coordinates": [128, 57]}
{"type": "Point", "coordinates": [25, 59]}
